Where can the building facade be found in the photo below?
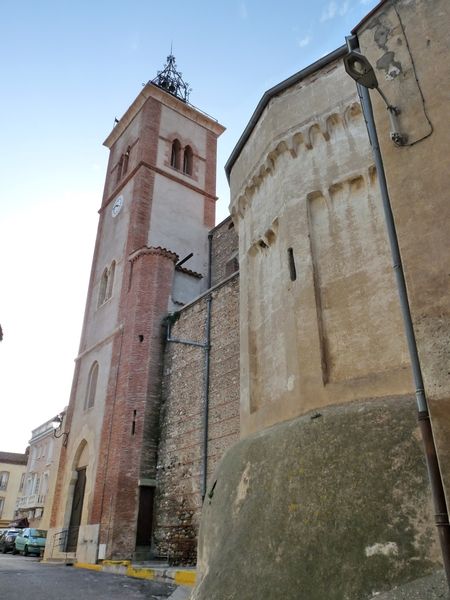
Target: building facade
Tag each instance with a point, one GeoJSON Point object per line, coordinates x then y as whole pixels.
{"type": "Point", "coordinates": [12, 474]}
{"type": "Point", "coordinates": [407, 76]}
{"type": "Point", "coordinates": [36, 496]}
{"type": "Point", "coordinates": [200, 401]}
{"type": "Point", "coordinates": [327, 494]}
{"type": "Point", "coordinates": [153, 256]}
{"type": "Point", "coordinates": [322, 491]}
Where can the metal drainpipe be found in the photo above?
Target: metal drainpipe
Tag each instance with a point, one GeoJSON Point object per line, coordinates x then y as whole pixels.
{"type": "Point", "coordinates": [434, 474]}
{"type": "Point", "coordinates": [207, 350]}
{"type": "Point", "coordinates": [206, 345]}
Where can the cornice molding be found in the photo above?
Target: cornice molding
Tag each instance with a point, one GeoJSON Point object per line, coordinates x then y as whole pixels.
{"type": "Point", "coordinates": [367, 178]}
{"type": "Point", "coordinates": [157, 251]}
{"type": "Point", "coordinates": [163, 173]}
{"type": "Point", "coordinates": [294, 143]}
{"type": "Point", "coordinates": [189, 272]}
{"type": "Point", "coordinates": [151, 90]}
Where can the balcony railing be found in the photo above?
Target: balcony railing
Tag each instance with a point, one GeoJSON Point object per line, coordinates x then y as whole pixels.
{"type": "Point", "coordinates": [33, 501]}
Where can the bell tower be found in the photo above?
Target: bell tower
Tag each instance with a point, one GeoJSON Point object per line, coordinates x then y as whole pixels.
{"type": "Point", "coordinates": [150, 257]}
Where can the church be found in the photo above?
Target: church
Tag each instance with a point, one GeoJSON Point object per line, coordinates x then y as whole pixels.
{"type": "Point", "coordinates": [157, 250]}
{"type": "Point", "coordinates": [260, 373]}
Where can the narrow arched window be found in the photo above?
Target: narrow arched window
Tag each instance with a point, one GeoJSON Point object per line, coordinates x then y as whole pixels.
{"type": "Point", "coordinates": [175, 156]}
{"type": "Point", "coordinates": [91, 387]}
{"type": "Point", "coordinates": [187, 160]}
{"type": "Point", "coordinates": [110, 282]}
{"type": "Point", "coordinates": [119, 169]}
{"type": "Point", "coordinates": [126, 158]}
{"type": "Point", "coordinates": [103, 288]}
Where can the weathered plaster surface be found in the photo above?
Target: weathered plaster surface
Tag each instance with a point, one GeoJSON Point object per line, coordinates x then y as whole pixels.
{"type": "Point", "coordinates": [304, 190]}
{"type": "Point", "coordinates": [332, 506]}
{"type": "Point", "coordinates": [418, 178]}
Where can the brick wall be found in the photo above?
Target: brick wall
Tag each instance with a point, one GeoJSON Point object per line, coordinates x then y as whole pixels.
{"type": "Point", "coordinates": [179, 470]}
{"type": "Point", "coordinates": [135, 399]}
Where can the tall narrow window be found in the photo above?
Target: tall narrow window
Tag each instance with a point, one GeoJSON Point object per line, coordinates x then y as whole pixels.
{"type": "Point", "coordinates": [175, 156]}
{"type": "Point", "coordinates": [37, 482]}
{"type": "Point", "coordinates": [91, 387]}
{"type": "Point", "coordinates": [2, 504]}
{"type": "Point", "coordinates": [187, 160]}
{"type": "Point", "coordinates": [111, 272]}
{"type": "Point", "coordinates": [119, 169]}
{"type": "Point", "coordinates": [4, 476]}
{"type": "Point", "coordinates": [291, 261]}
{"type": "Point", "coordinates": [50, 451]}
{"type": "Point", "coordinates": [44, 486]}
{"type": "Point", "coordinates": [103, 288]}
{"type": "Point", "coordinates": [126, 158]}
{"type": "Point", "coordinates": [106, 284]}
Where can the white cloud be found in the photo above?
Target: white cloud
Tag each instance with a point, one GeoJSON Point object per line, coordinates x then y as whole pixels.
{"type": "Point", "coordinates": [333, 9]}
{"type": "Point", "coordinates": [304, 41]}
{"type": "Point", "coordinates": [243, 13]}
{"type": "Point", "coordinates": [329, 12]}
{"type": "Point", "coordinates": [343, 9]}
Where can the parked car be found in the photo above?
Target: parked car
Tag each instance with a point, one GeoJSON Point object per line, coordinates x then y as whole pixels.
{"type": "Point", "coordinates": [7, 539]}
{"type": "Point", "coordinates": [30, 541]}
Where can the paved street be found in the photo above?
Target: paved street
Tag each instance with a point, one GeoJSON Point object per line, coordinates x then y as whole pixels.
{"type": "Point", "coordinates": [22, 577]}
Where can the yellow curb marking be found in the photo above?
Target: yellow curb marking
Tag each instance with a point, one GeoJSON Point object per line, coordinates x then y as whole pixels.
{"type": "Point", "coordinates": [79, 565]}
{"type": "Point", "coordinates": [115, 563]}
{"type": "Point", "coordinates": [140, 573]}
{"type": "Point", "coordinates": [185, 577]}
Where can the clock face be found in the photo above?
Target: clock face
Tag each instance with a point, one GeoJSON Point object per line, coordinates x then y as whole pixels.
{"type": "Point", "coordinates": [117, 206]}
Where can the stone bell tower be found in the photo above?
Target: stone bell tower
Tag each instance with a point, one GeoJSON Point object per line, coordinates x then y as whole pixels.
{"type": "Point", "coordinates": [158, 206]}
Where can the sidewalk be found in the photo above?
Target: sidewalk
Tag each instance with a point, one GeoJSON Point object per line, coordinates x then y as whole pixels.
{"type": "Point", "coordinates": [181, 576]}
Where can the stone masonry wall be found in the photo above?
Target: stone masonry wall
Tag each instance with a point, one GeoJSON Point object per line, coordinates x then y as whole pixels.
{"type": "Point", "coordinates": [178, 499]}
{"type": "Point", "coordinates": [225, 251]}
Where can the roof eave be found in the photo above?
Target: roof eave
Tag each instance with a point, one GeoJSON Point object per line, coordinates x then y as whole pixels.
{"type": "Point", "coordinates": [274, 91]}
{"type": "Point", "coordinates": [368, 16]}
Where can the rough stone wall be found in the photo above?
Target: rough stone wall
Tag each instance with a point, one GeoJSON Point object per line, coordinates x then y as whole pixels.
{"type": "Point", "coordinates": [323, 507]}
{"type": "Point", "coordinates": [225, 250]}
{"type": "Point", "coordinates": [179, 469]}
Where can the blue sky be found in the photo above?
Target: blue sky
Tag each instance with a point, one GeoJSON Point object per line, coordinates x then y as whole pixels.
{"type": "Point", "coordinates": [68, 69]}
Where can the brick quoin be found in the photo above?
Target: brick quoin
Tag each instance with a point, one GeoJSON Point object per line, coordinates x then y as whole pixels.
{"type": "Point", "coordinates": [132, 287]}
{"type": "Point", "coordinates": [138, 389]}
{"type": "Point", "coordinates": [209, 208]}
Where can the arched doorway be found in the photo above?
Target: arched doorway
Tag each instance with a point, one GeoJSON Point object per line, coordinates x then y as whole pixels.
{"type": "Point", "coordinates": [78, 497]}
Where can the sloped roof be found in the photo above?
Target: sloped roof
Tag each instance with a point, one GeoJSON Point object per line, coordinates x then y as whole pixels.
{"type": "Point", "coordinates": [13, 458]}
{"type": "Point", "coordinates": [368, 16]}
{"type": "Point", "coordinates": [274, 91]}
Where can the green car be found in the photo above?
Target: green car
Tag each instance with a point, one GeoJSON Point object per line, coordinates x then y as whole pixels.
{"type": "Point", "coordinates": [30, 541]}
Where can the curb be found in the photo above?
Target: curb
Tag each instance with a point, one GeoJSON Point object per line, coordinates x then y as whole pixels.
{"type": "Point", "coordinates": [124, 567]}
